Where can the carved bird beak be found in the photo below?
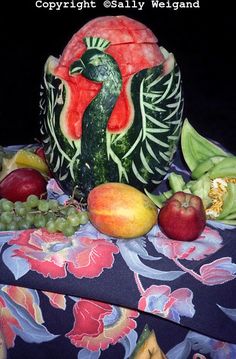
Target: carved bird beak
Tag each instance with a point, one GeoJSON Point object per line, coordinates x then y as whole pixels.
{"type": "Point", "coordinates": [77, 67]}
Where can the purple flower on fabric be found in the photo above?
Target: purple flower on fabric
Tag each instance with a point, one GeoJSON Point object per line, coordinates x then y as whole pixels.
{"type": "Point", "coordinates": [161, 301]}
{"type": "Point", "coordinates": [208, 243]}
{"type": "Point", "coordinates": [220, 271]}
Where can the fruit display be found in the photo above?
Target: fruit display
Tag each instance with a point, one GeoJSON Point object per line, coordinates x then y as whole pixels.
{"type": "Point", "coordinates": [120, 210]}
{"type": "Point", "coordinates": [111, 107]}
{"type": "Point", "coordinates": [111, 121]}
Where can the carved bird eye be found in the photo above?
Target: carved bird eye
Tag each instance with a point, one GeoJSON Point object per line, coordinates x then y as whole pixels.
{"type": "Point", "coordinates": [96, 61]}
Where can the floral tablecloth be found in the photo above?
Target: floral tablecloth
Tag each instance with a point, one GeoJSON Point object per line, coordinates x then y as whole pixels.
{"type": "Point", "coordinates": [90, 296]}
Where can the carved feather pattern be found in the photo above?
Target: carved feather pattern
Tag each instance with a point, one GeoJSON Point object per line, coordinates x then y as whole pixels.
{"type": "Point", "coordinates": [158, 105]}
{"type": "Point", "coordinates": [62, 153]}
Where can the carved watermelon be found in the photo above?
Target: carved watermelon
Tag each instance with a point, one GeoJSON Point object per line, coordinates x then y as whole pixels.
{"type": "Point", "coordinates": [111, 107]}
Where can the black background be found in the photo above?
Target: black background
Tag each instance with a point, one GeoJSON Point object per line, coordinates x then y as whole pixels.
{"type": "Point", "coordinates": [202, 39]}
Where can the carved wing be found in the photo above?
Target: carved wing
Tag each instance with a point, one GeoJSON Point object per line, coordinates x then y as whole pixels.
{"type": "Point", "coordinates": [61, 153]}
{"type": "Point", "coordinates": [158, 104]}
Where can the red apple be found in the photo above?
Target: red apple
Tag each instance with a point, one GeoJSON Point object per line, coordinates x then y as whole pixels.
{"type": "Point", "coordinates": [182, 217]}
{"type": "Point", "coordinates": [22, 182]}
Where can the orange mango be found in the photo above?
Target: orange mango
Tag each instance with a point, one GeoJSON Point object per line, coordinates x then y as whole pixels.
{"type": "Point", "coordinates": [120, 210]}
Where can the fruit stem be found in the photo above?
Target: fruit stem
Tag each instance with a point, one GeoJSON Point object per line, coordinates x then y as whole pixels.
{"type": "Point", "coordinates": [80, 202]}
{"type": "Point", "coordinates": [185, 204]}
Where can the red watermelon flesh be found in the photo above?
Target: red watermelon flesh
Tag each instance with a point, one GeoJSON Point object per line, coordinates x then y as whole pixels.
{"type": "Point", "coordinates": [133, 46]}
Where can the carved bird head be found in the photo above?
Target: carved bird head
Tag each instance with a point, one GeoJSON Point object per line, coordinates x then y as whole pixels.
{"type": "Point", "coordinates": [94, 64]}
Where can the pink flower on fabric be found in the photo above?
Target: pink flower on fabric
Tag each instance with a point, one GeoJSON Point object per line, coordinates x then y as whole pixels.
{"type": "Point", "coordinates": [161, 301]}
{"type": "Point", "coordinates": [97, 324]}
{"type": "Point", "coordinates": [220, 271]}
{"type": "Point", "coordinates": [208, 243]}
{"type": "Point", "coordinates": [52, 254]}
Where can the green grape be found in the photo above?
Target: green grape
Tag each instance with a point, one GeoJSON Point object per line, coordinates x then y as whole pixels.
{"type": "Point", "coordinates": [71, 210]}
{"type": "Point", "coordinates": [28, 207]}
{"type": "Point", "coordinates": [6, 217]}
{"type": "Point", "coordinates": [29, 217]}
{"type": "Point", "coordinates": [51, 226]}
{"type": "Point", "coordinates": [23, 224]}
{"type": "Point", "coordinates": [32, 201]}
{"type": "Point", "coordinates": [17, 218]}
{"type": "Point", "coordinates": [20, 208]}
{"type": "Point", "coordinates": [74, 219]}
{"type": "Point", "coordinates": [50, 216]}
{"type": "Point", "coordinates": [43, 205]}
{"type": "Point", "coordinates": [17, 203]}
{"type": "Point", "coordinates": [1, 201]}
{"type": "Point", "coordinates": [37, 213]}
{"type": "Point", "coordinates": [39, 220]}
{"type": "Point", "coordinates": [53, 204]}
{"type": "Point", "coordinates": [6, 205]}
{"type": "Point", "coordinates": [68, 230]}
{"type": "Point", "coordinates": [60, 223]}
{"type": "Point", "coordinates": [84, 217]}
{"type": "Point", "coordinates": [2, 226]}
{"type": "Point", "coordinates": [13, 226]}
{"type": "Point", "coordinates": [63, 211]}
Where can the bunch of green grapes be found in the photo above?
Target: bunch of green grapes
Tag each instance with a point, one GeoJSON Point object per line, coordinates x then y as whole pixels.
{"type": "Point", "coordinates": [37, 213]}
